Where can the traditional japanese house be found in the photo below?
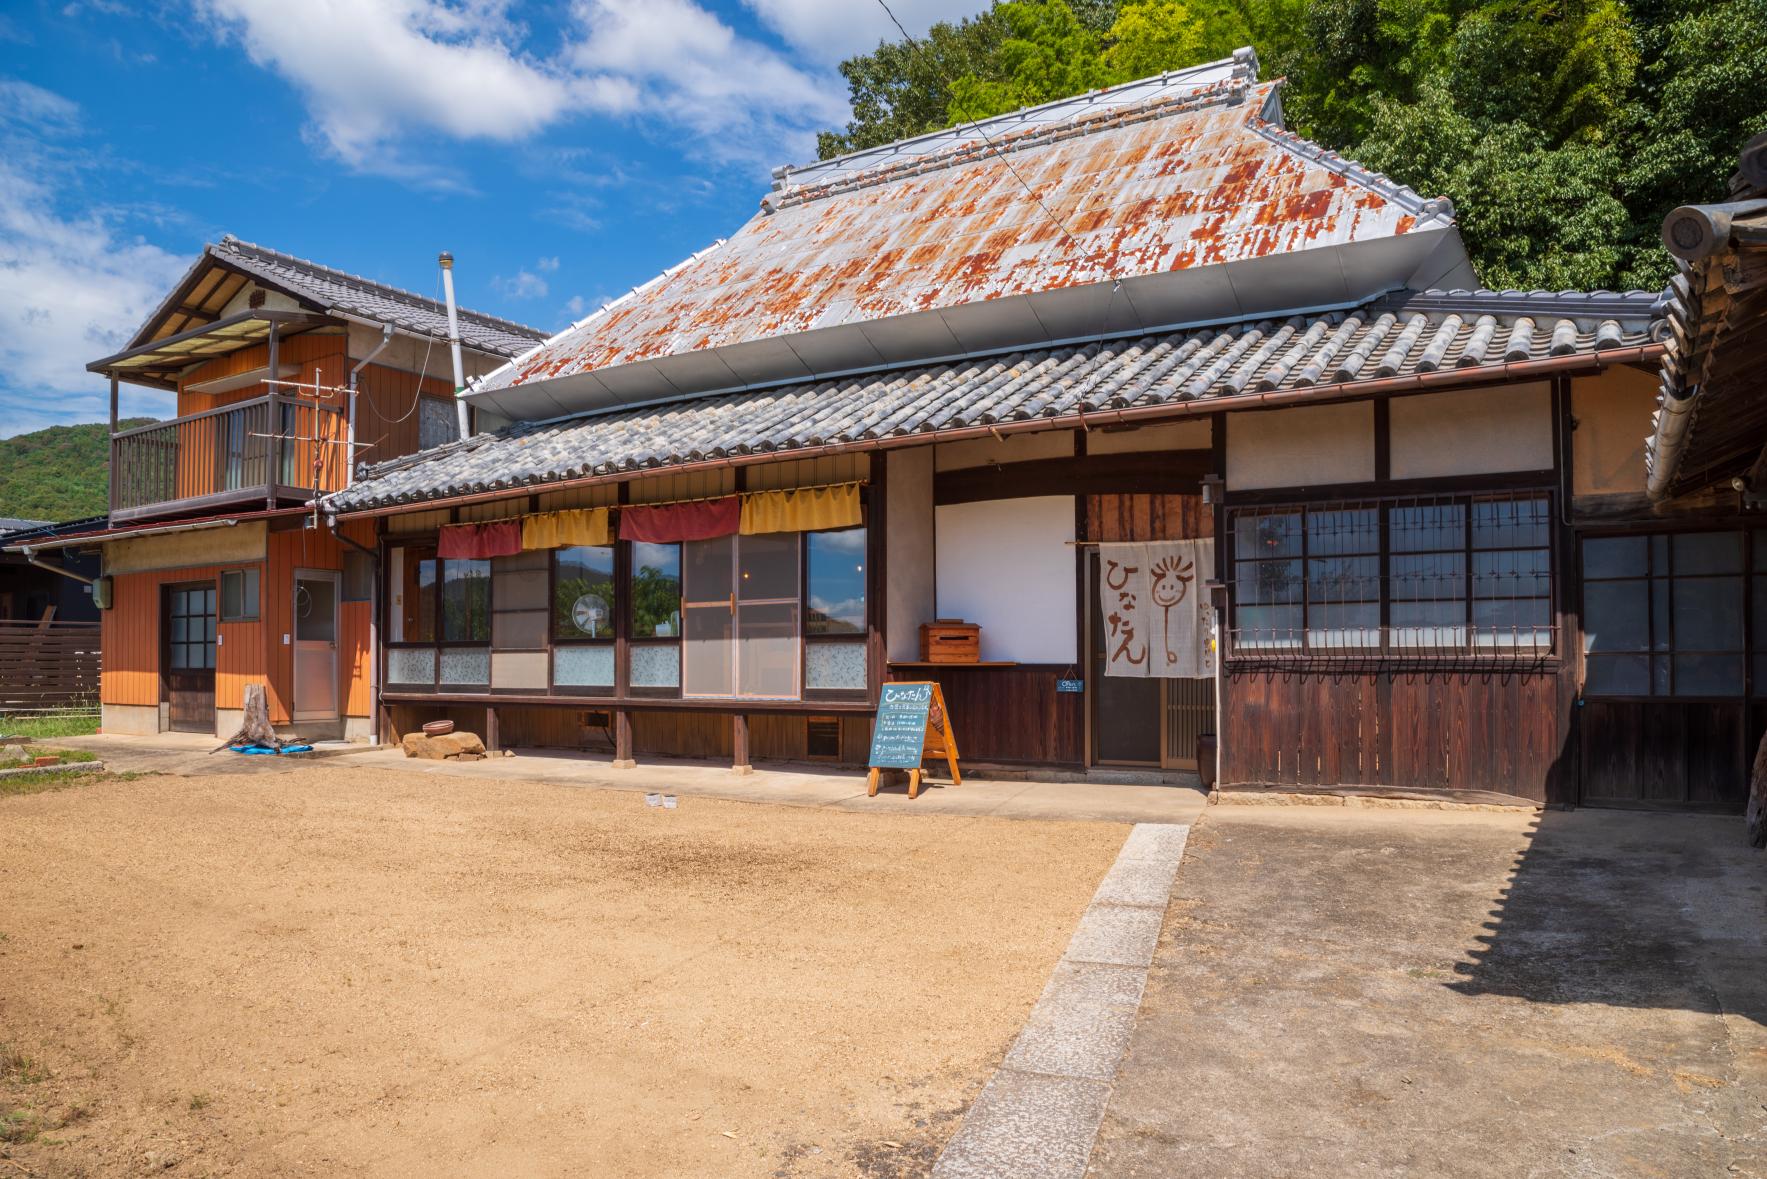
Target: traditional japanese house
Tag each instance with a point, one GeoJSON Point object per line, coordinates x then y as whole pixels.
{"type": "Point", "coordinates": [949, 377]}
{"type": "Point", "coordinates": [215, 571]}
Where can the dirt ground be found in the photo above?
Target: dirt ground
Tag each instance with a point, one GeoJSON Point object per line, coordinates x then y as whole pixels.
{"type": "Point", "coordinates": [346, 971]}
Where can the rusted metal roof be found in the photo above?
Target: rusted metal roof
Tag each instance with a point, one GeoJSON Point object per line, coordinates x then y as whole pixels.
{"type": "Point", "coordinates": [1446, 337]}
{"type": "Point", "coordinates": [1173, 201]}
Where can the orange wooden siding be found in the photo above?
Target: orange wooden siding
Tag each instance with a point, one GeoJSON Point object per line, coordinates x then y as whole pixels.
{"type": "Point", "coordinates": [131, 633]}
{"type": "Point", "coordinates": [200, 442]}
{"type": "Point", "coordinates": [249, 651]}
{"type": "Point", "coordinates": [387, 412]}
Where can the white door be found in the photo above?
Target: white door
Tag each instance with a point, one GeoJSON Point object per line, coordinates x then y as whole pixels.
{"type": "Point", "coordinates": [315, 644]}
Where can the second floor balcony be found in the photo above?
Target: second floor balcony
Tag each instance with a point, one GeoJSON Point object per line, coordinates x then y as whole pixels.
{"type": "Point", "coordinates": [267, 451]}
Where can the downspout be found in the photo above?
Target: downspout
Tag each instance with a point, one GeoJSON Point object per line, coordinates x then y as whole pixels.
{"type": "Point", "coordinates": [386, 337]}
{"type": "Point", "coordinates": [373, 622]}
{"type": "Point", "coordinates": [447, 263]}
{"type": "Point", "coordinates": [32, 558]}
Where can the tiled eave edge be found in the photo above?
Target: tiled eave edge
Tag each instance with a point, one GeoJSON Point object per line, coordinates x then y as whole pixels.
{"type": "Point", "coordinates": [1582, 363]}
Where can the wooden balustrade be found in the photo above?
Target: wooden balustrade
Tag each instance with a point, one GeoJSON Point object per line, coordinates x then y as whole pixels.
{"type": "Point", "coordinates": [256, 449]}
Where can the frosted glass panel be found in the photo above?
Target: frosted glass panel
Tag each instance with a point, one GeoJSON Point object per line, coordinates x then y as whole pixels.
{"type": "Point", "coordinates": [411, 665]}
{"type": "Point", "coordinates": [834, 665]}
{"type": "Point", "coordinates": [466, 666]}
{"type": "Point", "coordinates": [655, 666]}
{"type": "Point", "coordinates": [583, 667]}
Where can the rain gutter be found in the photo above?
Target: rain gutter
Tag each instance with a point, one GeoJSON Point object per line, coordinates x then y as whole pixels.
{"type": "Point", "coordinates": [1508, 371]}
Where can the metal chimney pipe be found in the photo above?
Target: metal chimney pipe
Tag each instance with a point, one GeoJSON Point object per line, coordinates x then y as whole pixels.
{"type": "Point", "coordinates": [447, 263]}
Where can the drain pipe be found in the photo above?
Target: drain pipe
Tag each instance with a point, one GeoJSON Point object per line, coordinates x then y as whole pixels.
{"type": "Point", "coordinates": [32, 559]}
{"type": "Point", "coordinates": [386, 337]}
{"type": "Point", "coordinates": [447, 263]}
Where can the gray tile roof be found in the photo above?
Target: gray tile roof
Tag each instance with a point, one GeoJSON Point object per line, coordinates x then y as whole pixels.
{"type": "Point", "coordinates": [1397, 336]}
{"type": "Point", "coordinates": [15, 524]}
{"type": "Point", "coordinates": [339, 291]}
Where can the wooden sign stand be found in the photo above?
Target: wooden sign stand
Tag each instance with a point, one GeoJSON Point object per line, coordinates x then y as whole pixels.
{"type": "Point", "coordinates": [937, 738]}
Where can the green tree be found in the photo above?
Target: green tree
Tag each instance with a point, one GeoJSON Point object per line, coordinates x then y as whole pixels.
{"type": "Point", "coordinates": [1047, 53]}
{"type": "Point", "coordinates": [1564, 130]}
{"type": "Point", "coordinates": [1532, 215]}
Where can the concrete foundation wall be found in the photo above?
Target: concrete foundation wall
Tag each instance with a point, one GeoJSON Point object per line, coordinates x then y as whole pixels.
{"type": "Point", "coordinates": [135, 720]}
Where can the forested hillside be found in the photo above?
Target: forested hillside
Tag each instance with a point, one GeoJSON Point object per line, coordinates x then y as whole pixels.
{"type": "Point", "coordinates": [1563, 130]}
{"type": "Point", "coordinates": [61, 473]}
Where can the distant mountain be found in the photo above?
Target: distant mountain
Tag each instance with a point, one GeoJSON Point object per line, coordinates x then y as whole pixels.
{"type": "Point", "coordinates": [61, 473]}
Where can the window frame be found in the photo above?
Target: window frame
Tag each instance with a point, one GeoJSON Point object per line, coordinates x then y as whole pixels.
{"type": "Point", "coordinates": [425, 548]}
{"type": "Point", "coordinates": [1747, 575]}
{"type": "Point", "coordinates": [806, 639]}
{"type": "Point", "coordinates": [251, 574]}
{"type": "Point", "coordinates": [1238, 651]}
{"type": "Point", "coordinates": [616, 625]}
{"type": "Point", "coordinates": [626, 557]}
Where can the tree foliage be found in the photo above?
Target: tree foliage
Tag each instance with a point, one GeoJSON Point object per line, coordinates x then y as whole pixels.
{"type": "Point", "coordinates": [1564, 130]}
{"type": "Point", "coordinates": [58, 474]}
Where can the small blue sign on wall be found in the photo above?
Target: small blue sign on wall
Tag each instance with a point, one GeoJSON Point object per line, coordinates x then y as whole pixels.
{"type": "Point", "coordinates": [1070, 685]}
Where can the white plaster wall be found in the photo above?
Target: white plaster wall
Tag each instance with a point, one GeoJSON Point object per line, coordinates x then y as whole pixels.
{"type": "Point", "coordinates": [908, 562]}
{"type": "Point", "coordinates": [273, 301]}
{"type": "Point", "coordinates": [1613, 414]}
{"type": "Point", "coordinates": [1007, 565]}
{"type": "Point", "coordinates": [1010, 448]}
{"type": "Point", "coordinates": [1473, 432]}
{"type": "Point", "coordinates": [1302, 446]}
{"type": "Point", "coordinates": [1189, 434]}
{"type": "Point", "coordinates": [407, 353]}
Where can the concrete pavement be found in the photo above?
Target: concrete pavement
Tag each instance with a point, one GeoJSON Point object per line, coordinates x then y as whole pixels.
{"type": "Point", "coordinates": [179, 753]}
{"type": "Point", "coordinates": [1402, 993]}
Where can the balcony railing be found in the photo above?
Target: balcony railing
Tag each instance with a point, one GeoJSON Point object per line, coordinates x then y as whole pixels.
{"type": "Point", "coordinates": [271, 448]}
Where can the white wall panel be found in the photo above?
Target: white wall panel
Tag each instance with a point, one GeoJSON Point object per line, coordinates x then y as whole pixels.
{"type": "Point", "coordinates": [1006, 564]}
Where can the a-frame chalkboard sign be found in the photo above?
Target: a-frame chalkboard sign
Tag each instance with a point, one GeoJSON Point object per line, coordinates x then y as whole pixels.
{"type": "Point", "coordinates": [912, 724]}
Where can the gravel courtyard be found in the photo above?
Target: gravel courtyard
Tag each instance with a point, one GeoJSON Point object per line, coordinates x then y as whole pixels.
{"type": "Point", "coordinates": [342, 970]}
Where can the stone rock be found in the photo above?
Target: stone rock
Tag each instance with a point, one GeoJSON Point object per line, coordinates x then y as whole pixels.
{"type": "Point", "coordinates": [452, 746]}
{"type": "Point", "coordinates": [13, 753]}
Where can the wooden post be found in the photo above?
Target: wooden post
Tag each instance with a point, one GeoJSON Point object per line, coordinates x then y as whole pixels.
{"type": "Point", "coordinates": [739, 744]}
{"type": "Point", "coordinates": [113, 405]}
{"type": "Point", "coordinates": [492, 744]}
{"type": "Point", "coordinates": [275, 430]}
{"type": "Point", "coordinates": [623, 741]}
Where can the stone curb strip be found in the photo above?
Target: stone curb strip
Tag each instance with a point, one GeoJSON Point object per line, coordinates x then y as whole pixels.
{"type": "Point", "coordinates": [1039, 1114]}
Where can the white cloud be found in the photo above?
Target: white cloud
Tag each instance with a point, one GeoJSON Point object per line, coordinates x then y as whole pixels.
{"type": "Point", "coordinates": [524, 285]}
{"type": "Point", "coordinates": [375, 71]}
{"type": "Point", "coordinates": [829, 31]}
{"type": "Point", "coordinates": [547, 265]}
{"type": "Point", "coordinates": [372, 69]}
{"type": "Point", "coordinates": [72, 286]}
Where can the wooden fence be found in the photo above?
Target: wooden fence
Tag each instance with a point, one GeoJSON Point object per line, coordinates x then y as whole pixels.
{"type": "Point", "coordinates": [48, 666]}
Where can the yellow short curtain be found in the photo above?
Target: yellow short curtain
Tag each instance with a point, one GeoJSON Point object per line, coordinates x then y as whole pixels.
{"type": "Point", "coordinates": [801, 509]}
{"type": "Point", "coordinates": [556, 530]}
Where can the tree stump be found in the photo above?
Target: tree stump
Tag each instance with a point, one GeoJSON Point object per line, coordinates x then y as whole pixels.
{"type": "Point", "coordinates": [257, 730]}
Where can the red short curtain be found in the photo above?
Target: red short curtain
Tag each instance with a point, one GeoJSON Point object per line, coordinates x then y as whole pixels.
{"type": "Point", "coordinates": [470, 542]}
{"type": "Point", "coordinates": [668, 523]}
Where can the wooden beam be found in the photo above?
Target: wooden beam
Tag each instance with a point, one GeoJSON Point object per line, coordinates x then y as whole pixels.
{"type": "Point", "coordinates": [623, 740]}
{"type": "Point", "coordinates": [492, 743]}
{"type": "Point", "coordinates": [739, 744]}
{"type": "Point", "coordinates": [113, 404]}
{"type": "Point", "coordinates": [1164, 472]}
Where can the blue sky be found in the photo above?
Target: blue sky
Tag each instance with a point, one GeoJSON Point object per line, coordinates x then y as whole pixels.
{"type": "Point", "coordinates": [564, 151]}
